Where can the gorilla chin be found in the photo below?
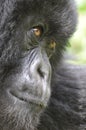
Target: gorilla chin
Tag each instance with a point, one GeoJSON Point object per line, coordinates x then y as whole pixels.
{"type": "Point", "coordinates": [22, 110]}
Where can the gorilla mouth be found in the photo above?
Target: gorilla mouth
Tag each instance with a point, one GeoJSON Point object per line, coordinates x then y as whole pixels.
{"type": "Point", "coordinates": [29, 99]}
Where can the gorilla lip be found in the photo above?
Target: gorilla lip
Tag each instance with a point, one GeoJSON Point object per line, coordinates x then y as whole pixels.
{"type": "Point", "coordinates": [31, 100]}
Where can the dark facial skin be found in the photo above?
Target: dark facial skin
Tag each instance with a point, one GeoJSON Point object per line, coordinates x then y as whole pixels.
{"type": "Point", "coordinates": [33, 34]}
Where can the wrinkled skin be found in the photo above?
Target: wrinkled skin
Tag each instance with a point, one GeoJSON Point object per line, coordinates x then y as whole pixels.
{"type": "Point", "coordinates": [33, 92]}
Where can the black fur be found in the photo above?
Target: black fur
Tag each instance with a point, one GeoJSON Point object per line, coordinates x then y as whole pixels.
{"type": "Point", "coordinates": [26, 63]}
{"type": "Point", "coordinates": [67, 107]}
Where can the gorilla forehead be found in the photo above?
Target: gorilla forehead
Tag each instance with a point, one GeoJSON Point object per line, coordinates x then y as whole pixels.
{"type": "Point", "coordinates": [37, 5]}
{"type": "Point", "coordinates": [43, 8]}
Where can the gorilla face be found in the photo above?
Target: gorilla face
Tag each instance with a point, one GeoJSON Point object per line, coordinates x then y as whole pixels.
{"type": "Point", "coordinates": [33, 34]}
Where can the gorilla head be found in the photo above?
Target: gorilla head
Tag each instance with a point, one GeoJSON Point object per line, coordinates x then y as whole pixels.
{"type": "Point", "coordinates": [33, 34]}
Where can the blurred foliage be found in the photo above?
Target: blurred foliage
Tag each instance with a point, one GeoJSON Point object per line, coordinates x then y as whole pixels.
{"type": "Point", "coordinates": [78, 41]}
{"type": "Point", "coordinates": [81, 6]}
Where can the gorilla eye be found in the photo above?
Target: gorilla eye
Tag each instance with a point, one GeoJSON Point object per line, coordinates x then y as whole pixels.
{"type": "Point", "coordinates": [38, 31]}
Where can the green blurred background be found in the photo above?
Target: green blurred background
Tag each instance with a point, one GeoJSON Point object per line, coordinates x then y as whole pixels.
{"type": "Point", "coordinates": [78, 41]}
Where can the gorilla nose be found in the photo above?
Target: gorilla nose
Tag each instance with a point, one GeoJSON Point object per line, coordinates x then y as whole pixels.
{"type": "Point", "coordinates": [40, 69]}
{"type": "Point", "coordinates": [40, 72]}
{"type": "Point", "coordinates": [40, 78]}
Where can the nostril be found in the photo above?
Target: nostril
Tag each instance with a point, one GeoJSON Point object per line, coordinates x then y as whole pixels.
{"type": "Point", "coordinates": [40, 72]}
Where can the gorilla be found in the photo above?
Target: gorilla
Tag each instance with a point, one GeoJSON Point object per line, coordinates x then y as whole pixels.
{"type": "Point", "coordinates": [38, 89]}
